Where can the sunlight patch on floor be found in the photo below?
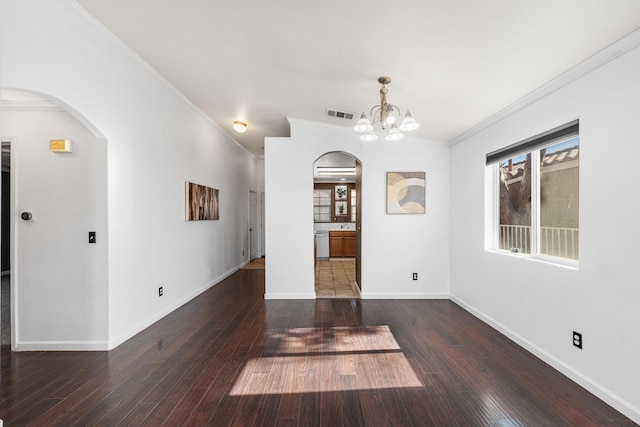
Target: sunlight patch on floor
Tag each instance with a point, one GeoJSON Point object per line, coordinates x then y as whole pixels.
{"type": "Point", "coordinates": [329, 359]}
{"type": "Point", "coordinates": [336, 339]}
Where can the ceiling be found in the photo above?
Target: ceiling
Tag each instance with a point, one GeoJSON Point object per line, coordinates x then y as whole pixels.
{"type": "Point", "coordinates": [452, 63]}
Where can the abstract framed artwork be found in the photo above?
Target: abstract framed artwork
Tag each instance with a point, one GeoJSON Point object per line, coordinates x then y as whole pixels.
{"type": "Point", "coordinates": [406, 192]}
{"type": "Point", "coordinates": [201, 203]}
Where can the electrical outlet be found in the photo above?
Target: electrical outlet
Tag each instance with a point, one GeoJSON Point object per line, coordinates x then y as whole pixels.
{"type": "Point", "coordinates": [577, 339]}
{"type": "Point", "coordinates": [160, 291]}
{"type": "Point", "coordinates": [242, 253]}
{"type": "Point", "coordinates": [415, 276]}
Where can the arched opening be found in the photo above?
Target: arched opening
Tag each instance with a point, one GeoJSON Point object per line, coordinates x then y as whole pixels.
{"type": "Point", "coordinates": [55, 289]}
{"type": "Point", "coordinates": [337, 216]}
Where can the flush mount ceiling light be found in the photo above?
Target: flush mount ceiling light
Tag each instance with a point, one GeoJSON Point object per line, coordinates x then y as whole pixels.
{"type": "Point", "coordinates": [239, 127]}
{"type": "Point", "coordinates": [387, 115]}
{"type": "Point", "coordinates": [340, 171]}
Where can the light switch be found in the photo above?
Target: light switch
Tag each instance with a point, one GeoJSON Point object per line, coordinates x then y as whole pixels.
{"type": "Point", "coordinates": [92, 237]}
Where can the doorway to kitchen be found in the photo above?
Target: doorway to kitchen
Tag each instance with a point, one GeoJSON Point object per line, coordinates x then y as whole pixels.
{"type": "Point", "coordinates": [337, 218]}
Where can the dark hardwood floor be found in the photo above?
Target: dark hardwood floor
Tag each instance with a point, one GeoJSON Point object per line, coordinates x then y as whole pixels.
{"type": "Point", "coordinates": [230, 358]}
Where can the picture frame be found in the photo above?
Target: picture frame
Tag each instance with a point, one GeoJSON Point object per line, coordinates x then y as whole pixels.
{"type": "Point", "coordinates": [202, 203]}
{"type": "Point", "coordinates": [406, 192]}
{"type": "Point", "coordinates": [341, 208]}
{"type": "Point", "coordinates": [340, 192]}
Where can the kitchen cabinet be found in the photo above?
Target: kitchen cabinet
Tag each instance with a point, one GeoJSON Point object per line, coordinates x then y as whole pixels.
{"type": "Point", "coordinates": [342, 244]}
{"type": "Point", "coordinates": [349, 244]}
{"type": "Point", "coordinates": [336, 244]}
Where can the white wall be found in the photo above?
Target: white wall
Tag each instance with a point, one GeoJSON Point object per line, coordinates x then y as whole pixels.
{"type": "Point", "coordinates": [540, 304]}
{"type": "Point", "coordinates": [156, 140]}
{"type": "Point", "coordinates": [260, 175]}
{"type": "Point", "coordinates": [393, 246]}
{"type": "Point", "coordinates": [52, 259]}
{"type": "Point", "coordinates": [261, 197]}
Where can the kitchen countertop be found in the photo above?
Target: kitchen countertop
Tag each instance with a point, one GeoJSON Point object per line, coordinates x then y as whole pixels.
{"type": "Point", "coordinates": [336, 226]}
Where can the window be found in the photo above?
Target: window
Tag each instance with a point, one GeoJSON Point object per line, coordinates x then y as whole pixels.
{"type": "Point", "coordinates": [537, 194]}
{"type": "Point", "coordinates": [333, 202]}
{"type": "Point", "coordinates": [353, 205]}
{"type": "Point", "coordinates": [322, 205]}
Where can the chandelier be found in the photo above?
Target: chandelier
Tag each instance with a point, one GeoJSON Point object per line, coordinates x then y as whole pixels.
{"type": "Point", "coordinates": [387, 115]}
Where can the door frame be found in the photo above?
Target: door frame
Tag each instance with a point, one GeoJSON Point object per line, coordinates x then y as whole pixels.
{"type": "Point", "coordinates": [253, 226]}
{"type": "Point", "coordinates": [358, 223]}
{"type": "Point", "coordinates": [13, 297]}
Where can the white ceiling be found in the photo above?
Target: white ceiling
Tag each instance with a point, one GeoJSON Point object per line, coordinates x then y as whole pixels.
{"type": "Point", "coordinates": [453, 63]}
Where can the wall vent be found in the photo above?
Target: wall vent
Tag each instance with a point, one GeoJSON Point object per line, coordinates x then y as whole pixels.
{"type": "Point", "coordinates": [340, 114]}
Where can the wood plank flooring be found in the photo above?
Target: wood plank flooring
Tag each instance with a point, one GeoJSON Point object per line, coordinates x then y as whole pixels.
{"type": "Point", "coordinates": [231, 358]}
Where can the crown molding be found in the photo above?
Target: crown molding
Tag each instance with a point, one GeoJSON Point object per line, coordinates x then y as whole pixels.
{"type": "Point", "coordinates": [112, 38]}
{"type": "Point", "coordinates": [608, 54]}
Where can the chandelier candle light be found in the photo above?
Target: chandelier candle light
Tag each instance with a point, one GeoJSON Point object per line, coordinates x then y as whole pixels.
{"type": "Point", "coordinates": [385, 114]}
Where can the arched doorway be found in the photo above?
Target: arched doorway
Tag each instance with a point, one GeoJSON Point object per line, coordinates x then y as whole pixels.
{"type": "Point", "coordinates": [337, 225]}
{"type": "Point", "coordinates": [58, 282]}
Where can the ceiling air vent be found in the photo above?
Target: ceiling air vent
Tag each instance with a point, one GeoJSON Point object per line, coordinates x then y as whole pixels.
{"type": "Point", "coordinates": [340, 114]}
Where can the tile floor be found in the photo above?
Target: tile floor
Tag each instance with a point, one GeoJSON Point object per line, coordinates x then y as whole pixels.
{"type": "Point", "coordinates": [336, 279]}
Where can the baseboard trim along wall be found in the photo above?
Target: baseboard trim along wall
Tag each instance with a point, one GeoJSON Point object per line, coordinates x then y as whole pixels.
{"type": "Point", "coordinates": [61, 346]}
{"type": "Point", "coordinates": [290, 296]}
{"type": "Point", "coordinates": [587, 383]}
{"type": "Point", "coordinates": [110, 345]}
{"type": "Point", "coordinates": [362, 296]}
{"type": "Point", "coordinates": [143, 325]}
{"type": "Point", "coordinates": [373, 295]}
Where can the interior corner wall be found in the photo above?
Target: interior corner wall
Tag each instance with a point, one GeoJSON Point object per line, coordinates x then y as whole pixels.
{"type": "Point", "coordinates": [260, 175]}
{"type": "Point", "coordinates": [261, 198]}
{"type": "Point", "coordinates": [156, 141]}
{"type": "Point", "coordinates": [393, 246]}
{"type": "Point", "coordinates": [539, 304]}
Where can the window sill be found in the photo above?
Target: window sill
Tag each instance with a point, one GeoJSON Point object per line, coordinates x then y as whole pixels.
{"type": "Point", "coordinates": [545, 259]}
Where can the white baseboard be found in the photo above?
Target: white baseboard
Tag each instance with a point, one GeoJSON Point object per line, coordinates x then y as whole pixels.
{"type": "Point", "coordinates": [373, 295]}
{"type": "Point", "coordinates": [290, 296]}
{"type": "Point", "coordinates": [61, 346]}
{"type": "Point", "coordinates": [271, 296]}
{"type": "Point", "coordinates": [143, 325]}
{"type": "Point", "coordinates": [587, 383]}
{"type": "Point", "coordinates": [110, 345]}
